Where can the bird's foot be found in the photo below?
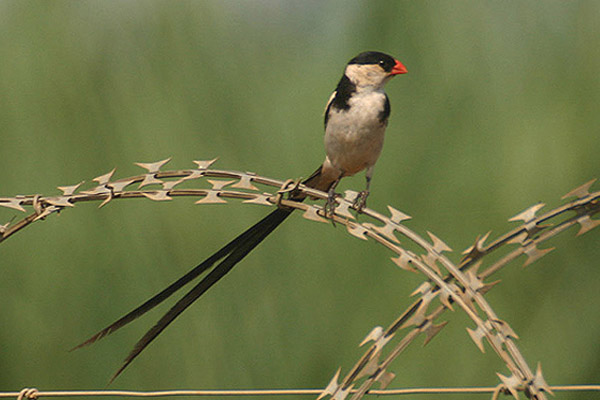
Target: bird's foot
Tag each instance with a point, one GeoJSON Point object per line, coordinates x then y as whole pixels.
{"type": "Point", "coordinates": [330, 205]}
{"type": "Point", "coordinates": [361, 200]}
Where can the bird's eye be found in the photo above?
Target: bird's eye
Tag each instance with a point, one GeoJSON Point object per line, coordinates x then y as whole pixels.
{"type": "Point", "coordinates": [381, 62]}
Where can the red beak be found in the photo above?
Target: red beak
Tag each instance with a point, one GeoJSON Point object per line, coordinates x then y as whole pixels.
{"type": "Point", "coordinates": [399, 68]}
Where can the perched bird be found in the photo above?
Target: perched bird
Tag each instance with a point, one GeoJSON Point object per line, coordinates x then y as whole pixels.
{"type": "Point", "coordinates": [356, 116]}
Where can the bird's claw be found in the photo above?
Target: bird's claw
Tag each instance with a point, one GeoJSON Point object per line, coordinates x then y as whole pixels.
{"type": "Point", "coordinates": [361, 200]}
{"type": "Point", "coordinates": [330, 205]}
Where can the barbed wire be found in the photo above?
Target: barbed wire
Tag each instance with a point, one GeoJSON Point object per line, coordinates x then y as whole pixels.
{"type": "Point", "coordinates": [462, 284]}
{"type": "Point", "coordinates": [33, 393]}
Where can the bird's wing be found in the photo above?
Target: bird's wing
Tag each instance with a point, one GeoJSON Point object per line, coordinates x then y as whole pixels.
{"type": "Point", "coordinates": [328, 106]}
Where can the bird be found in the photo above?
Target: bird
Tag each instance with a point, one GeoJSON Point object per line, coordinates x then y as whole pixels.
{"type": "Point", "coordinates": [356, 117]}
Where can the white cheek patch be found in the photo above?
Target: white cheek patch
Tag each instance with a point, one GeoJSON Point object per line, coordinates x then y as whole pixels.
{"type": "Point", "coordinates": [365, 74]}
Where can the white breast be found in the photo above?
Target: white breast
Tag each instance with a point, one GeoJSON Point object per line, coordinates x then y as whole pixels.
{"type": "Point", "coordinates": [354, 137]}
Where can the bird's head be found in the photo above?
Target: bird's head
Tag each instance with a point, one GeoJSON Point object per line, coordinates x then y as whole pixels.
{"type": "Point", "coordinates": [373, 69]}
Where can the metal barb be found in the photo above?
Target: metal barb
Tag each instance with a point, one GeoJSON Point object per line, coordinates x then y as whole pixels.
{"type": "Point", "coordinates": [446, 292]}
{"type": "Point", "coordinates": [580, 191]}
{"type": "Point", "coordinates": [533, 253]}
{"type": "Point", "coordinates": [423, 288]}
{"type": "Point", "coordinates": [194, 174]}
{"type": "Point", "coordinates": [350, 196]}
{"type": "Point", "coordinates": [245, 182]}
{"type": "Point", "coordinates": [505, 329]}
{"type": "Point", "coordinates": [419, 315]}
{"type": "Point", "coordinates": [385, 378]}
{"type": "Point", "coordinates": [70, 190]}
{"type": "Point", "coordinates": [212, 197]}
{"type": "Point", "coordinates": [357, 230]}
{"type": "Point", "coordinates": [438, 244]}
{"type": "Point", "coordinates": [45, 211]}
{"type": "Point", "coordinates": [474, 282]}
{"type": "Point", "coordinates": [431, 330]}
{"type": "Point", "coordinates": [159, 195]}
{"type": "Point", "coordinates": [104, 179]}
{"type": "Point", "coordinates": [170, 185]}
{"type": "Point", "coordinates": [332, 387]}
{"type": "Point", "coordinates": [342, 393]}
{"type": "Point", "coordinates": [539, 382]}
{"type": "Point", "coordinates": [108, 198]}
{"type": "Point", "coordinates": [14, 203]}
{"type": "Point", "coordinates": [586, 224]}
{"type": "Point", "coordinates": [260, 199]}
{"type": "Point", "coordinates": [397, 215]}
{"type": "Point", "coordinates": [488, 286]}
{"type": "Point", "coordinates": [370, 368]}
{"type": "Point", "coordinates": [100, 189]}
{"type": "Point", "coordinates": [312, 214]}
{"type": "Point", "coordinates": [476, 250]}
{"type": "Point", "coordinates": [475, 268]}
{"type": "Point", "coordinates": [404, 260]}
{"type": "Point", "coordinates": [204, 164]}
{"type": "Point", "coordinates": [431, 260]}
{"type": "Point", "coordinates": [375, 334]}
{"type": "Point", "coordinates": [527, 215]}
{"type": "Point", "coordinates": [387, 230]}
{"type": "Point", "coordinates": [519, 239]}
{"type": "Point", "coordinates": [120, 185]}
{"type": "Point", "coordinates": [381, 342]}
{"type": "Point", "coordinates": [154, 167]}
{"type": "Point", "coordinates": [61, 201]}
{"type": "Point", "coordinates": [477, 335]}
{"type": "Point", "coordinates": [511, 383]}
{"type": "Point", "coordinates": [218, 185]}
{"type": "Point", "coordinates": [343, 210]}
{"type": "Point", "coordinates": [150, 179]}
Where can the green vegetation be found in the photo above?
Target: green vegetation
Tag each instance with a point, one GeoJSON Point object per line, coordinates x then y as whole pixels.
{"type": "Point", "coordinates": [499, 110]}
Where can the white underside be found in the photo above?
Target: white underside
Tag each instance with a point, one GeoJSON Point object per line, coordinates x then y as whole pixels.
{"type": "Point", "coordinates": [354, 137]}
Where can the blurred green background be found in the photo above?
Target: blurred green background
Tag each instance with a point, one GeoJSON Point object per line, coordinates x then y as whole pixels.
{"type": "Point", "coordinates": [499, 110]}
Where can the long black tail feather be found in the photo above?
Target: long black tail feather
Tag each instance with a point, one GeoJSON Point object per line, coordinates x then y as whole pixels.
{"type": "Point", "coordinates": [244, 245]}
{"type": "Point", "coordinates": [230, 254]}
{"type": "Point", "coordinates": [179, 283]}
